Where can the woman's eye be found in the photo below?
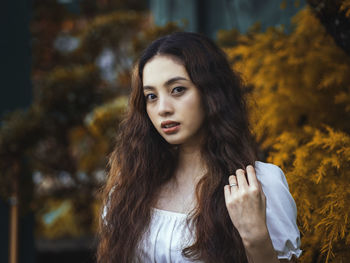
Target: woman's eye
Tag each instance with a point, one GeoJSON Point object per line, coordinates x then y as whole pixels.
{"type": "Point", "coordinates": [179, 89]}
{"type": "Point", "coordinates": [150, 96]}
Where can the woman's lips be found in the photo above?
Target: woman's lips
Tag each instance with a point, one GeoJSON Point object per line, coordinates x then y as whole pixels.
{"type": "Point", "coordinates": [171, 130]}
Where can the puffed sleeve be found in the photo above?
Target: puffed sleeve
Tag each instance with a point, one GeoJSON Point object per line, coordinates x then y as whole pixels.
{"type": "Point", "coordinates": [281, 210]}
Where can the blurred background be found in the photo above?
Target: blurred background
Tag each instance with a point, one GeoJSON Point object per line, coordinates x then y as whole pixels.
{"type": "Point", "coordinates": [65, 78]}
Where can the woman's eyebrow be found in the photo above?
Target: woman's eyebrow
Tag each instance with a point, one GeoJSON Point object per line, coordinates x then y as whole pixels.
{"type": "Point", "coordinates": [167, 83]}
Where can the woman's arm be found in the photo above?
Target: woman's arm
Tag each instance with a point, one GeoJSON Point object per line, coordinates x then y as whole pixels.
{"type": "Point", "coordinates": [265, 253]}
{"type": "Point", "coordinates": [246, 205]}
{"type": "Point", "coordinates": [260, 249]}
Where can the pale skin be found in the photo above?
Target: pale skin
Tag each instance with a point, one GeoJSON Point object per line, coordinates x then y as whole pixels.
{"type": "Point", "coordinates": [170, 95]}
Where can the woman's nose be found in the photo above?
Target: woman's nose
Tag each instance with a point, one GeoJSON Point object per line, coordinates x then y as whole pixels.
{"type": "Point", "coordinates": [165, 107]}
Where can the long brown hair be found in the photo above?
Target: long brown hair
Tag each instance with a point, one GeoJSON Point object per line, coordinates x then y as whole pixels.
{"type": "Point", "coordinates": [143, 161]}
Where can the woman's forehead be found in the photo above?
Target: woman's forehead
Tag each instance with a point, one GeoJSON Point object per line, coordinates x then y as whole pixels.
{"type": "Point", "coordinates": [160, 69]}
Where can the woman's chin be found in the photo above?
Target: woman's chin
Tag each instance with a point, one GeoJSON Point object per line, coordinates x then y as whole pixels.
{"type": "Point", "coordinates": [173, 139]}
{"type": "Point", "coordinates": [174, 142]}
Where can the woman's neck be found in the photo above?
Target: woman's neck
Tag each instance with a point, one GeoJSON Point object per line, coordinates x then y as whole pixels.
{"type": "Point", "coordinates": [190, 167]}
{"type": "Point", "coordinates": [178, 194]}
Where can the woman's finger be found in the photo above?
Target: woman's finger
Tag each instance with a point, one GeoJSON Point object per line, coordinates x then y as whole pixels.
{"type": "Point", "coordinates": [227, 193]}
{"type": "Point", "coordinates": [241, 179]}
{"type": "Point", "coordinates": [251, 175]}
{"type": "Point", "coordinates": [232, 180]}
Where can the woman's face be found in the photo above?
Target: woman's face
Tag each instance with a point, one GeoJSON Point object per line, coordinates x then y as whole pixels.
{"type": "Point", "coordinates": [173, 102]}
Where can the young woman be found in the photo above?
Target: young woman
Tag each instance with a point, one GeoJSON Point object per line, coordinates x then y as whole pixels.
{"type": "Point", "coordinates": [184, 181]}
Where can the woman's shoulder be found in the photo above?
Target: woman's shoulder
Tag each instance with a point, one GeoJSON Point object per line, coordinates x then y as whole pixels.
{"type": "Point", "coordinates": [270, 174]}
{"type": "Point", "coordinates": [266, 167]}
{"type": "Point", "coordinates": [275, 187]}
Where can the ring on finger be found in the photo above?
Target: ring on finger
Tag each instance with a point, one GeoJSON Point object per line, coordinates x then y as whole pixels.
{"type": "Point", "coordinates": [233, 181]}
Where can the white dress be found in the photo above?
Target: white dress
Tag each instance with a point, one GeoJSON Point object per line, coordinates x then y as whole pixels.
{"type": "Point", "coordinates": [168, 232]}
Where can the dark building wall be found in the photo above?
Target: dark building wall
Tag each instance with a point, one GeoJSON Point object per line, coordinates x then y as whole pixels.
{"type": "Point", "coordinates": [15, 58]}
{"type": "Point", "coordinates": [15, 92]}
{"type": "Point", "coordinates": [208, 16]}
{"type": "Point", "coordinates": [4, 226]}
{"type": "Point", "coordinates": [175, 10]}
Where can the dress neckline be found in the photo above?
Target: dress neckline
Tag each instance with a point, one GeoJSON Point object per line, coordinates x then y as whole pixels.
{"type": "Point", "coordinates": [169, 213]}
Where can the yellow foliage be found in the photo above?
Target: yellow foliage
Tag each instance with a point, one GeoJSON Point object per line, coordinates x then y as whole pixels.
{"type": "Point", "coordinates": [319, 180]}
{"type": "Point", "coordinates": [301, 117]}
{"type": "Point", "coordinates": [89, 152]}
{"type": "Point", "coordinates": [345, 6]}
{"type": "Point", "coordinates": [112, 22]}
{"type": "Point", "coordinates": [107, 113]}
{"type": "Point", "coordinates": [96, 212]}
{"type": "Point", "coordinates": [295, 77]}
{"type": "Point", "coordinates": [297, 3]}
{"type": "Point", "coordinates": [57, 219]}
{"type": "Point", "coordinates": [89, 144]}
{"type": "Point", "coordinates": [283, 4]}
{"type": "Point", "coordinates": [62, 74]}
